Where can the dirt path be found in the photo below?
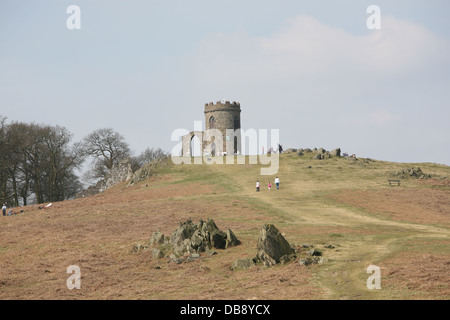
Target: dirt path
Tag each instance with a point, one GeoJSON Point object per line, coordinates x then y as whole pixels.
{"type": "Point", "coordinates": [345, 274]}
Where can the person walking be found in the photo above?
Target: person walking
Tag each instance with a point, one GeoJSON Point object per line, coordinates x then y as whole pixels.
{"type": "Point", "coordinates": [277, 182]}
{"type": "Point", "coordinates": [257, 186]}
{"type": "Point", "coordinates": [4, 209]}
{"type": "Point", "coordinates": [269, 185]}
{"type": "Point", "coordinates": [280, 148]}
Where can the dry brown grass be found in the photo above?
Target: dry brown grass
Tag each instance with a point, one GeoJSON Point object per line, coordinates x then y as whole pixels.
{"type": "Point", "coordinates": [424, 206]}
{"type": "Point", "coordinates": [422, 276]}
{"type": "Point", "coordinates": [98, 233]}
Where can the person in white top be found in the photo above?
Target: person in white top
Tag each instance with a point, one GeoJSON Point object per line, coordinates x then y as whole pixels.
{"type": "Point", "coordinates": [277, 182]}
{"type": "Point", "coordinates": [4, 209]}
{"type": "Point", "coordinates": [257, 186]}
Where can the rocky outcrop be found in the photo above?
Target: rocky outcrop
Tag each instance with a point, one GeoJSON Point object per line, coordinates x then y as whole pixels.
{"type": "Point", "coordinates": [188, 241]}
{"type": "Point", "coordinates": [311, 260]}
{"type": "Point", "coordinates": [157, 238]}
{"type": "Point", "coordinates": [416, 173]}
{"type": "Point", "coordinates": [120, 172]}
{"type": "Point", "coordinates": [147, 170]}
{"type": "Point", "coordinates": [272, 247]}
{"type": "Point", "coordinates": [318, 154]}
{"type": "Point", "coordinates": [201, 237]}
{"type": "Point", "coordinates": [336, 152]}
{"type": "Point", "coordinates": [181, 237]}
{"type": "Point", "coordinates": [243, 263]}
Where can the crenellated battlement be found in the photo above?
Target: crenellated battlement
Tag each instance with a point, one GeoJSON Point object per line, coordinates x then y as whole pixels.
{"type": "Point", "coordinates": [222, 105]}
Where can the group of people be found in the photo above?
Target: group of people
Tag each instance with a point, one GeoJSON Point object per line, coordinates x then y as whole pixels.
{"type": "Point", "coordinates": [269, 185]}
{"type": "Point", "coordinates": [271, 150]}
{"type": "Point", "coordinates": [10, 212]}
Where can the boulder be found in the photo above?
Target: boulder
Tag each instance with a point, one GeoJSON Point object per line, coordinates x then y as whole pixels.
{"type": "Point", "coordinates": [314, 252]}
{"type": "Point", "coordinates": [309, 261]}
{"type": "Point", "coordinates": [157, 254]}
{"type": "Point", "coordinates": [137, 248]}
{"type": "Point", "coordinates": [413, 173]}
{"type": "Point", "coordinates": [272, 246]}
{"type": "Point", "coordinates": [231, 239]}
{"type": "Point", "coordinates": [243, 264]}
{"type": "Point", "coordinates": [193, 257]}
{"type": "Point", "coordinates": [197, 241]}
{"type": "Point", "coordinates": [201, 237]}
{"type": "Point", "coordinates": [318, 157]}
{"type": "Point", "coordinates": [336, 152]}
{"type": "Point", "coordinates": [174, 259]}
{"type": "Point", "coordinates": [184, 232]}
{"type": "Point", "coordinates": [157, 238]}
{"type": "Point", "coordinates": [321, 150]}
{"type": "Point", "coordinates": [218, 239]}
{"type": "Point", "coordinates": [212, 234]}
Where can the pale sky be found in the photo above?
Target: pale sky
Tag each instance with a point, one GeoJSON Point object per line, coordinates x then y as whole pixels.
{"type": "Point", "coordinates": [311, 69]}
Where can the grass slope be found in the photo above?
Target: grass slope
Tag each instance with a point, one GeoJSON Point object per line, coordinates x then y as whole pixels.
{"type": "Point", "coordinates": [349, 204]}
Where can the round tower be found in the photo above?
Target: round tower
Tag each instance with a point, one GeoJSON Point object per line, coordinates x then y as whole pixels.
{"type": "Point", "coordinates": [224, 115]}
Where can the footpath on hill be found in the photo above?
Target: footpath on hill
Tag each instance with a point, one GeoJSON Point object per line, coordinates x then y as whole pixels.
{"type": "Point", "coordinates": [306, 202]}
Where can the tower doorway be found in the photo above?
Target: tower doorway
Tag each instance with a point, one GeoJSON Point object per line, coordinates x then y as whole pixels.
{"type": "Point", "coordinates": [196, 149]}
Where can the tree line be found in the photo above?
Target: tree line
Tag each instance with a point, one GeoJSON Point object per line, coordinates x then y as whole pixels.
{"type": "Point", "coordinates": [39, 162]}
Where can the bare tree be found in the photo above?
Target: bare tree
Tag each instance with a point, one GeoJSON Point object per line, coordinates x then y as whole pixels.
{"type": "Point", "coordinates": [106, 147]}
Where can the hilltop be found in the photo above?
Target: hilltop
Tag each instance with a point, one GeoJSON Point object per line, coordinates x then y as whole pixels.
{"type": "Point", "coordinates": [343, 207]}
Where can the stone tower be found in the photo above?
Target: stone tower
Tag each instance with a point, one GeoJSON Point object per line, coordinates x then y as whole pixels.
{"type": "Point", "coordinates": [224, 115]}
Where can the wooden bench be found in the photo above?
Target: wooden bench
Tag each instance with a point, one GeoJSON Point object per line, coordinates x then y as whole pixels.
{"type": "Point", "coordinates": [393, 182]}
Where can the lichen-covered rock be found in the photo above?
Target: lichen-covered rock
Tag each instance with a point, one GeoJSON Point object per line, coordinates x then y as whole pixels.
{"type": "Point", "coordinates": [201, 237]}
{"type": "Point", "coordinates": [157, 238]}
{"type": "Point", "coordinates": [309, 261]}
{"type": "Point", "coordinates": [272, 246]}
{"type": "Point", "coordinates": [231, 239]}
{"type": "Point", "coordinates": [157, 254]}
{"type": "Point", "coordinates": [137, 248]}
{"type": "Point", "coordinates": [242, 264]}
{"type": "Point", "coordinates": [184, 232]}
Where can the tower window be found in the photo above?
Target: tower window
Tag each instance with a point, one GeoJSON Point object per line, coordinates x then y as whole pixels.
{"type": "Point", "coordinates": [236, 123]}
{"type": "Point", "coordinates": [212, 123]}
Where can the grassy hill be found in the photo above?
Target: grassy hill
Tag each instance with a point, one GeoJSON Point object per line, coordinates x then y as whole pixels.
{"type": "Point", "coordinates": [346, 203]}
